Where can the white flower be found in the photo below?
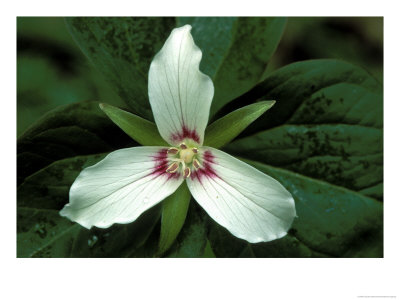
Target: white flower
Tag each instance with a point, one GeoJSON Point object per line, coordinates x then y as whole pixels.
{"type": "Point", "coordinates": [127, 182]}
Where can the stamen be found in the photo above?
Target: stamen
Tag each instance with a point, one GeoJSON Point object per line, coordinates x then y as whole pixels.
{"type": "Point", "coordinates": [173, 150]}
{"type": "Point", "coordinates": [173, 168]}
{"type": "Point", "coordinates": [183, 146]}
{"type": "Point", "coordinates": [196, 163]}
{"type": "Point", "coordinates": [195, 150]}
{"type": "Point", "coordinates": [186, 172]}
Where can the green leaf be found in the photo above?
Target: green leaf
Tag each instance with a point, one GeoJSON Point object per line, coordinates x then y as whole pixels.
{"type": "Point", "coordinates": [208, 252]}
{"type": "Point", "coordinates": [235, 51]}
{"type": "Point", "coordinates": [326, 124]}
{"type": "Point", "coordinates": [192, 240]}
{"type": "Point", "coordinates": [122, 49]}
{"type": "Point", "coordinates": [331, 221]}
{"type": "Point", "coordinates": [49, 187]}
{"type": "Point", "coordinates": [68, 131]}
{"type": "Point", "coordinates": [142, 131]}
{"type": "Point", "coordinates": [225, 129]}
{"type": "Point", "coordinates": [52, 71]}
{"type": "Point", "coordinates": [38, 230]}
{"type": "Point", "coordinates": [42, 232]}
{"type": "Point", "coordinates": [174, 210]}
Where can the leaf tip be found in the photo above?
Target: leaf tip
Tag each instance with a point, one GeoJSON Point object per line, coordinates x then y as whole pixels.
{"type": "Point", "coordinates": [266, 104]}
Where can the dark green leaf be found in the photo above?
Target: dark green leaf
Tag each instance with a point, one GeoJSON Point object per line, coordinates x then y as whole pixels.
{"type": "Point", "coordinates": [48, 188]}
{"type": "Point", "coordinates": [142, 131]}
{"type": "Point", "coordinates": [230, 126]}
{"type": "Point", "coordinates": [118, 240]}
{"type": "Point", "coordinates": [122, 49]}
{"type": "Point", "coordinates": [235, 51]}
{"type": "Point", "coordinates": [174, 210]}
{"type": "Point", "coordinates": [332, 221]}
{"type": "Point", "coordinates": [192, 240]}
{"type": "Point", "coordinates": [68, 131]}
{"type": "Point", "coordinates": [42, 232]}
{"type": "Point", "coordinates": [330, 125]}
{"type": "Point", "coordinates": [52, 71]}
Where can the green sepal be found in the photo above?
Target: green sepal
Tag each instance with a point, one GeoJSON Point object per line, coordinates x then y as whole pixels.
{"type": "Point", "coordinates": [174, 211]}
{"type": "Point", "coordinates": [230, 126]}
{"type": "Point", "coordinates": [141, 130]}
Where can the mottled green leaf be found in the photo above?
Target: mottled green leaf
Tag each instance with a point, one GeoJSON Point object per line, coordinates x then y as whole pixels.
{"type": "Point", "coordinates": [49, 187]}
{"type": "Point", "coordinates": [174, 210]}
{"type": "Point", "coordinates": [230, 126]}
{"type": "Point", "coordinates": [326, 124]}
{"type": "Point", "coordinates": [42, 232]}
{"type": "Point", "coordinates": [122, 49]}
{"type": "Point", "coordinates": [68, 131]}
{"type": "Point", "coordinates": [142, 131]}
{"type": "Point", "coordinates": [38, 230]}
{"type": "Point", "coordinates": [331, 221]}
{"type": "Point", "coordinates": [235, 51]}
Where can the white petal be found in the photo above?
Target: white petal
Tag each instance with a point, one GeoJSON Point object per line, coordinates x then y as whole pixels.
{"type": "Point", "coordinates": [180, 95]}
{"type": "Point", "coordinates": [121, 187]}
{"type": "Point", "coordinates": [250, 204]}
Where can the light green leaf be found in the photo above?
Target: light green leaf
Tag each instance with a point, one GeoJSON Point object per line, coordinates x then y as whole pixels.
{"type": "Point", "coordinates": [235, 51]}
{"type": "Point", "coordinates": [326, 124]}
{"type": "Point", "coordinates": [332, 221]}
{"type": "Point", "coordinates": [174, 210]}
{"type": "Point", "coordinates": [208, 252]}
{"type": "Point", "coordinates": [142, 131]}
{"type": "Point", "coordinates": [225, 129]}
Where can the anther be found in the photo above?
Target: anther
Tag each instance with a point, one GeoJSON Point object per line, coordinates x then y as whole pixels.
{"type": "Point", "coordinates": [183, 146]}
{"type": "Point", "coordinates": [173, 150]}
{"type": "Point", "coordinates": [195, 150]}
{"type": "Point", "coordinates": [186, 172]}
{"type": "Point", "coordinates": [173, 168]}
{"type": "Point", "coordinates": [196, 163]}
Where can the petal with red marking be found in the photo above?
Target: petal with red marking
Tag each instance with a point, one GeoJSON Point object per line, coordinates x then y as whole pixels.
{"type": "Point", "coordinates": [121, 187]}
{"type": "Point", "coordinates": [250, 204]}
{"type": "Point", "coordinates": [180, 95]}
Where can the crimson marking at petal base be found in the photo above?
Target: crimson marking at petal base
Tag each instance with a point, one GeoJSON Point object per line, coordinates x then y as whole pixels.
{"type": "Point", "coordinates": [162, 164]}
{"type": "Point", "coordinates": [206, 170]}
{"type": "Point", "coordinates": [185, 133]}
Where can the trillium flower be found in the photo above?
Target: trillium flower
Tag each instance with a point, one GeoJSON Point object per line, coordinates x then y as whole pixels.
{"type": "Point", "coordinates": [127, 182]}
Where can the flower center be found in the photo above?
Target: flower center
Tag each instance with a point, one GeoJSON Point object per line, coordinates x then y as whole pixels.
{"type": "Point", "coordinates": [183, 159]}
{"type": "Point", "coordinates": [186, 155]}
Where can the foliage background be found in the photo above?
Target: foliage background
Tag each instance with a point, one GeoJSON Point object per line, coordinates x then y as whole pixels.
{"type": "Point", "coordinates": [52, 71]}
